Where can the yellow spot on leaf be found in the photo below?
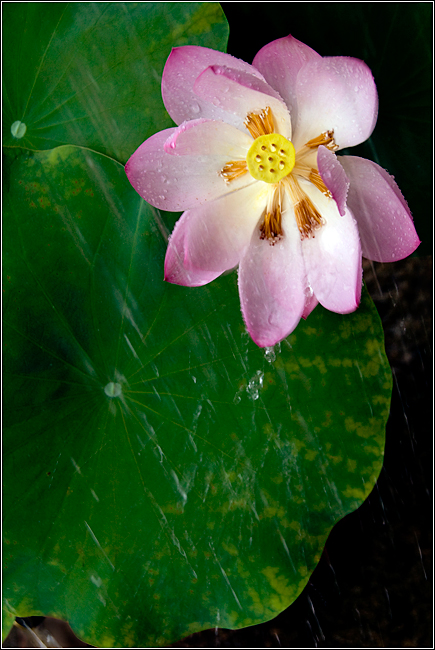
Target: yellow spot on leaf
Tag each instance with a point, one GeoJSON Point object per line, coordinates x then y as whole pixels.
{"type": "Point", "coordinates": [355, 493]}
{"type": "Point", "coordinates": [230, 548]}
{"type": "Point", "coordinates": [285, 591]}
{"type": "Point", "coordinates": [257, 605]}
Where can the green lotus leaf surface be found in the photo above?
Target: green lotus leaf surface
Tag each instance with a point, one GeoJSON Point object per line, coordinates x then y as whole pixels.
{"type": "Point", "coordinates": [163, 474]}
{"type": "Point", "coordinates": [89, 73]}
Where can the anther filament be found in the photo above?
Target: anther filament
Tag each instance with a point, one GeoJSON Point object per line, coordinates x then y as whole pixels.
{"type": "Point", "coordinates": [326, 139]}
{"type": "Point", "coordinates": [260, 123]}
{"type": "Point", "coordinates": [233, 170]}
{"type": "Point", "coordinates": [271, 228]}
{"type": "Point", "coordinates": [308, 219]}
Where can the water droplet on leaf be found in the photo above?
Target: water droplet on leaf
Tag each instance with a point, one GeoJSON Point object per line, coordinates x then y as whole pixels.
{"type": "Point", "coordinates": [18, 129]}
{"type": "Point", "coordinates": [113, 389]}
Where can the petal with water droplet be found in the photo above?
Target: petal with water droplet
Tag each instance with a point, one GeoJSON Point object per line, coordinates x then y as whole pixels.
{"type": "Point", "coordinates": [198, 177]}
{"type": "Point", "coordinates": [384, 220]}
{"type": "Point", "coordinates": [272, 286]}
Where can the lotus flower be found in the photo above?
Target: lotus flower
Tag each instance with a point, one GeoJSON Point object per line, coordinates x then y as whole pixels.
{"type": "Point", "coordinates": [253, 165]}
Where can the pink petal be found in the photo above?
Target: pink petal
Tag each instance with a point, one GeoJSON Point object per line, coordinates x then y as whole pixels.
{"type": "Point", "coordinates": [311, 303]}
{"type": "Point", "coordinates": [182, 68]}
{"type": "Point", "coordinates": [238, 93]}
{"type": "Point", "coordinates": [208, 137]}
{"type": "Point", "coordinates": [333, 258]}
{"type": "Point", "coordinates": [212, 238]}
{"type": "Point", "coordinates": [272, 286]}
{"type": "Point", "coordinates": [171, 182]}
{"type": "Point", "coordinates": [334, 177]}
{"type": "Point", "coordinates": [176, 270]}
{"type": "Point", "coordinates": [339, 94]}
{"type": "Point", "coordinates": [279, 62]}
{"type": "Point", "coordinates": [384, 220]}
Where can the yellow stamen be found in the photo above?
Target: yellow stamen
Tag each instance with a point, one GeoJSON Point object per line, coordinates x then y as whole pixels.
{"type": "Point", "coordinates": [271, 228]}
{"type": "Point", "coordinates": [316, 180]}
{"type": "Point", "coordinates": [326, 138]}
{"type": "Point", "coordinates": [311, 174]}
{"type": "Point", "coordinates": [308, 219]}
{"type": "Point", "coordinates": [260, 123]}
{"type": "Point", "coordinates": [233, 169]}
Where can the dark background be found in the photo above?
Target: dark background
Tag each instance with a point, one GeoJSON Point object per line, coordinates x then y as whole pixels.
{"type": "Point", "coordinates": [373, 584]}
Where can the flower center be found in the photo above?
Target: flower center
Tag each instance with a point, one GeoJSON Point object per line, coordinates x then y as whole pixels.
{"type": "Point", "coordinates": [270, 158]}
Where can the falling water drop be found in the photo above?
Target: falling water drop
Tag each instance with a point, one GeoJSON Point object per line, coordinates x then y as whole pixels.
{"type": "Point", "coordinates": [270, 353]}
{"type": "Point", "coordinates": [254, 385]}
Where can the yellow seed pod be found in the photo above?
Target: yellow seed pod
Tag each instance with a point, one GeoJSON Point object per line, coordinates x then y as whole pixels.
{"type": "Point", "coordinates": [270, 158]}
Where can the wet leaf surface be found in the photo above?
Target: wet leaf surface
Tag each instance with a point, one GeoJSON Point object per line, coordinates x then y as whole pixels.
{"type": "Point", "coordinates": [150, 445]}
{"type": "Point", "coordinates": [89, 73]}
